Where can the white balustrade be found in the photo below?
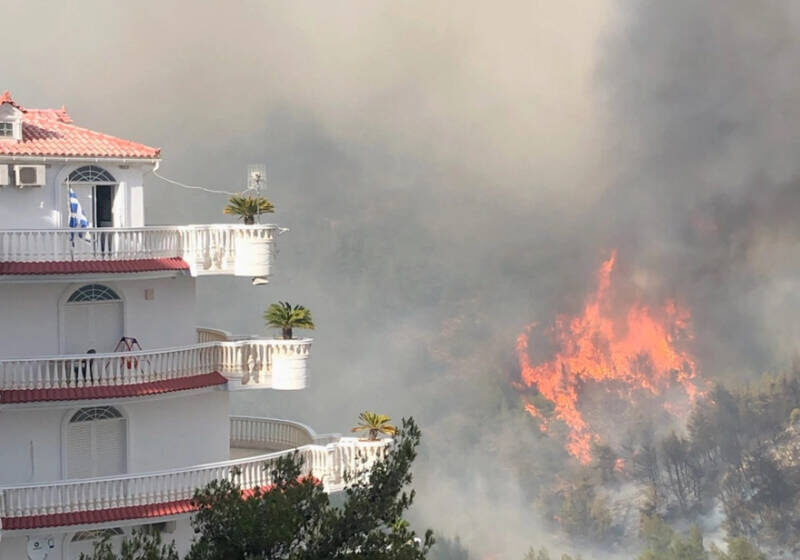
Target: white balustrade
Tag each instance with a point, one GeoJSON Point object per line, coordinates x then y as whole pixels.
{"type": "Point", "coordinates": [208, 249]}
{"type": "Point", "coordinates": [328, 463]}
{"type": "Point", "coordinates": [252, 432]}
{"type": "Point", "coordinates": [207, 334]}
{"type": "Point", "coordinates": [247, 362]}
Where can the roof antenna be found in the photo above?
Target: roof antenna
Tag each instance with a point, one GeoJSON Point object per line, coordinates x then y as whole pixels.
{"type": "Point", "coordinates": [256, 178]}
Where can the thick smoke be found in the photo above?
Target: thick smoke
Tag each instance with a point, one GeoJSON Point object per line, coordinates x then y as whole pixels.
{"type": "Point", "coordinates": [704, 115]}
{"type": "Point", "coordinates": [449, 174]}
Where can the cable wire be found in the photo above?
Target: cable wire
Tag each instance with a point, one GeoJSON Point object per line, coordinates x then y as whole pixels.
{"type": "Point", "coordinates": [194, 187]}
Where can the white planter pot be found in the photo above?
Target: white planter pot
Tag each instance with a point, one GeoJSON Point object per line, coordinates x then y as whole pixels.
{"type": "Point", "coordinates": [253, 256]}
{"type": "Point", "coordinates": [289, 367]}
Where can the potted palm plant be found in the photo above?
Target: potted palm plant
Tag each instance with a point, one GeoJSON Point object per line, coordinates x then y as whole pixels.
{"type": "Point", "coordinates": [289, 360]}
{"type": "Point", "coordinates": [375, 425]}
{"type": "Point", "coordinates": [285, 316]}
{"type": "Point", "coordinates": [248, 207]}
{"type": "Point", "coordinates": [253, 253]}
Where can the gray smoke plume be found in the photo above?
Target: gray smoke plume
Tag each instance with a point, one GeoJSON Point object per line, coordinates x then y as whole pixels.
{"type": "Point", "coordinates": [449, 174]}
{"type": "Point", "coordinates": [704, 105]}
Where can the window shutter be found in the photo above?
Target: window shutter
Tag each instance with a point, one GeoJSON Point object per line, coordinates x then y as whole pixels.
{"type": "Point", "coordinates": [4, 178]}
{"type": "Point", "coordinates": [79, 450]}
{"type": "Point", "coordinates": [109, 446]}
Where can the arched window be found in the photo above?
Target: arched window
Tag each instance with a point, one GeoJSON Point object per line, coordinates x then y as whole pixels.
{"type": "Point", "coordinates": [91, 174]}
{"type": "Point", "coordinates": [97, 534]}
{"type": "Point", "coordinates": [96, 442]}
{"type": "Point", "coordinates": [83, 542]}
{"type": "Point", "coordinates": [92, 317]}
{"type": "Point", "coordinates": [93, 292]}
{"type": "Point", "coordinates": [95, 413]}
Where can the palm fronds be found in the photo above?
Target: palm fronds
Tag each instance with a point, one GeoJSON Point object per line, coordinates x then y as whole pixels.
{"type": "Point", "coordinates": [283, 315]}
{"type": "Point", "coordinates": [248, 207]}
{"type": "Point", "coordinates": [375, 424]}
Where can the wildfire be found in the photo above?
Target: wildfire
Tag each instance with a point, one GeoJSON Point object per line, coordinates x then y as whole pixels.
{"type": "Point", "coordinates": [628, 352]}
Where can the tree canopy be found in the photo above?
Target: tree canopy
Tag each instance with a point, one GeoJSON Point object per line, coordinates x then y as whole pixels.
{"type": "Point", "coordinates": [294, 518]}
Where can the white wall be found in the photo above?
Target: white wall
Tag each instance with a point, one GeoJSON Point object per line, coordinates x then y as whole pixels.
{"type": "Point", "coordinates": [30, 207]}
{"type": "Point", "coordinates": [19, 429]}
{"type": "Point", "coordinates": [175, 432]}
{"type": "Point", "coordinates": [168, 432]}
{"type": "Point", "coordinates": [166, 320]}
{"type": "Point", "coordinates": [15, 547]}
{"type": "Point", "coordinates": [29, 319]}
{"type": "Point", "coordinates": [46, 206]}
{"type": "Point", "coordinates": [30, 314]}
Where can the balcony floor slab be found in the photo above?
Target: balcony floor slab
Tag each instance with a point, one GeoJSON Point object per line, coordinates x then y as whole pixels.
{"type": "Point", "coordinates": [92, 266]}
{"type": "Point", "coordinates": [112, 391]}
{"type": "Point", "coordinates": [97, 516]}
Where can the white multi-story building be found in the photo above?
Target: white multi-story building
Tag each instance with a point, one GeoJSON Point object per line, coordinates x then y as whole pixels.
{"type": "Point", "coordinates": [113, 403]}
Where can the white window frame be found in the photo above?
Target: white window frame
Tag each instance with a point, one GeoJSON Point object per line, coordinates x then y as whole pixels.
{"type": "Point", "coordinates": [65, 424]}
{"type": "Point", "coordinates": [64, 300]}
{"type": "Point", "coordinates": [120, 193]}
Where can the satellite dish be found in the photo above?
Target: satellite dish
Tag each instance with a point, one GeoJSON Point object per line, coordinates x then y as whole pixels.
{"type": "Point", "coordinates": [40, 546]}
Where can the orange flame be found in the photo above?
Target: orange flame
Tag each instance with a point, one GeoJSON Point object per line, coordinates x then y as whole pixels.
{"type": "Point", "coordinates": [636, 351]}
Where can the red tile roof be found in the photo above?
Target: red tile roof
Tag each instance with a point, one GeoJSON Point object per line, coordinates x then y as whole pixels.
{"type": "Point", "coordinates": [50, 132]}
{"type": "Point", "coordinates": [78, 267]}
{"type": "Point", "coordinates": [113, 514]}
{"type": "Point", "coordinates": [6, 98]}
{"type": "Point", "coordinates": [112, 391]}
{"type": "Point", "coordinates": [97, 516]}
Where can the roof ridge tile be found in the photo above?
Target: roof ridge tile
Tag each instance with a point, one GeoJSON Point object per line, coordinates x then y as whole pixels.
{"type": "Point", "coordinates": [51, 132]}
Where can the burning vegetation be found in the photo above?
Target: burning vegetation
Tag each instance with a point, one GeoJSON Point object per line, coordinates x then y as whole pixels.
{"type": "Point", "coordinates": [731, 454]}
{"type": "Point", "coordinates": [631, 350]}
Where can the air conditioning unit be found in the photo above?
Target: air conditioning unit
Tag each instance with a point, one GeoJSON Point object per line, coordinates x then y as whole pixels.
{"type": "Point", "coordinates": [4, 178]}
{"type": "Point", "coordinates": [29, 175]}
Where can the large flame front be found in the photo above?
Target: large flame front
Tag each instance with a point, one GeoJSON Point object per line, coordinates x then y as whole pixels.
{"type": "Point", "coordinates": [635, 350]}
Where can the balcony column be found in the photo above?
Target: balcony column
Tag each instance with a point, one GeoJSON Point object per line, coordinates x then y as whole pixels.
{"type": "Point", "coordinates": [135, 204]}
{"type": "Point", "coordinates": [121, 206]}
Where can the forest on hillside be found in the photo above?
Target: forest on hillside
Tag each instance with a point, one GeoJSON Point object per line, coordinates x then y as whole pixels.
{"type": "Point", "coordinates": [733, 470]}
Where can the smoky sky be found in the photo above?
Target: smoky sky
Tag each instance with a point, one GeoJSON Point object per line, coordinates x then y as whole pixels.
{"type": "Point", "coordinates": [704, 102]}
{"type": "Point", "coordinates": [451, 172]}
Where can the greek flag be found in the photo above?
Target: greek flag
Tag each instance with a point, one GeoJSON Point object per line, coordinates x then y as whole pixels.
{"type": "Point", "coordinates": [77, 219]}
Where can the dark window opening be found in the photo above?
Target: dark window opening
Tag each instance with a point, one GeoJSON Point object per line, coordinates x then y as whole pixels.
{"type": "Point", "coordinates": [104, 201]}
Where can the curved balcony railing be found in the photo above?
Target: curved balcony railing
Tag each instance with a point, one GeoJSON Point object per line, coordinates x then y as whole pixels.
{"type": "Point", "coordinates": [250, 363]}
{"type": "Point", "coordinates": [242, 250]}
{"type": "Point", "coordinates": [328, 463]}
{"type": "Point", "coordinates": [251, 432]}
{"type": "Point", "coordinates": [208, 334]}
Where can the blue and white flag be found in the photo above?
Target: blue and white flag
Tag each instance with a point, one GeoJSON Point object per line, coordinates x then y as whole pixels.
{"type": "Point", "coordinates": [77, 219]}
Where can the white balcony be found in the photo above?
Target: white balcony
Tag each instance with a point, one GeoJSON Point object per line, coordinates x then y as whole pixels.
{"type": "Point", "coordinates": [252, 435]}
{"type": "Point", "coordinates": [328, 462]}
{"type": "Point", "coordinates": [240, 250]}
{"type": "Point", "coordinates": [246, 363]}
